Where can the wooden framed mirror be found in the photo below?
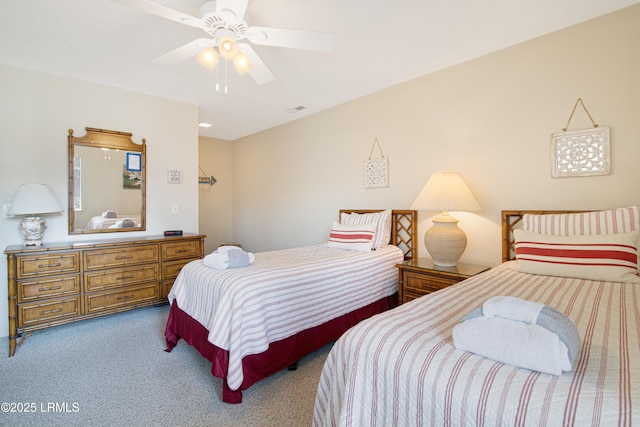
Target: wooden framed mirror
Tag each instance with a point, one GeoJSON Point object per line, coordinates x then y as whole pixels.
{"type": "Point", "coordinates": [107, 182]}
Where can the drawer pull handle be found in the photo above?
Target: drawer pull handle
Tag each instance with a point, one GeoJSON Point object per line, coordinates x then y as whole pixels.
{"type": "Point", "coordinates": [179, 251]}
{"type": "Point", "coordinates": [125, 297]}
{"type": "Point", "coordinates": [52, 288]}
{"type": "Point", "coordinates": [57, 264]}
{"type": "Point", "coordinates": [42, 313]}
{"type": "Point", "coordinates": [124, 257]}
{"type": "Point", "coordinates": [125, 277]}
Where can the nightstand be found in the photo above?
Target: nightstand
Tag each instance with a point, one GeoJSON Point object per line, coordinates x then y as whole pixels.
{"type": "Point", "coordinates": [421, 277]}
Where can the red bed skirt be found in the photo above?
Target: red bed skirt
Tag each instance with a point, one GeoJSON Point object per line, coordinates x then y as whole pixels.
{"type": "Point", "coordinates": [278, 356]}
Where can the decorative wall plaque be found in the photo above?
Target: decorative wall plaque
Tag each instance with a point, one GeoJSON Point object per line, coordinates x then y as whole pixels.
{"type": "Point", "coordinates": [376, 170]}
{"type": "Point", "coordinates": [583, 152]}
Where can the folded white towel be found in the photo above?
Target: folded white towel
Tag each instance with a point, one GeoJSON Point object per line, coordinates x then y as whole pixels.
{"type": "Point", "coordinates": [516, 343]}
{"type": "Point", "coordinates": [228, 257]}
{"type": "Point", "coordinates": [226, 249]}
{"type": "Point", "coordinates": [513, 308]}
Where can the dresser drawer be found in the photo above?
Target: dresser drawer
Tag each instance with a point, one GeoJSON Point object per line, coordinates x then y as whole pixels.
{"type": "Point", "coordinates": [56, 286]}
{"type": "Point", "coordinates": [170, 270]}
{"type": "Point", "coordinates": [41, 265]}
{"type": "Point", "coordinates": [177, 250]}
{"type": "Point", "coordinates": [115, 299]}
{"type": "Point", "coordinates": [104, 279]}
{"type": "Point", "coordinates": [34, 314]}
{"type": "Point", "coordinates": [119, 257]}
{"type": "Point", "coordinates": [423, 283]}
{"type": "Point", "coordinates": [165, 288]}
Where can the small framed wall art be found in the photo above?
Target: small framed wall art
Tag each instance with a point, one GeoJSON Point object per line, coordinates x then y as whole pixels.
{"type": "Point", "coordinates": [134, 162]}
{"type": "Point", "coordinates": [174, 176]}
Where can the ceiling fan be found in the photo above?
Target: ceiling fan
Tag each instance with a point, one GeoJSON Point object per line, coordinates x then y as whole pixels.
{"type": "Point", "coordinates": [224, 21]}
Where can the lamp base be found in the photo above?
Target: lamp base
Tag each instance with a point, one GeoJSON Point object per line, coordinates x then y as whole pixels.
{"type": "Point", "coordinates": [32, 229]}
{"type": "Point", "coordinates": [445, 242]}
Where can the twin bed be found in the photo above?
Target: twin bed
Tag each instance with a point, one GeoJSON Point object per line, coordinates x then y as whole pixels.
{"type": "Point", "coordinates": [401, 368]}
{"type": "Point", "coordinates": [253, 321]}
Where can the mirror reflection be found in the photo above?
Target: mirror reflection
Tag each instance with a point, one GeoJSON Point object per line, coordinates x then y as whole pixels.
{"type": "Point", "coordinates": [106, 182]}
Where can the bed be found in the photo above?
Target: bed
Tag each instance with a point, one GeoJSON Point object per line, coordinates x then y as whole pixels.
{"type": "Point", "coordinates": [401, 368]}
{"type": "Point", "coordinates": [253, 321]}
{"type": "Point", "coordinates": [101, 222]}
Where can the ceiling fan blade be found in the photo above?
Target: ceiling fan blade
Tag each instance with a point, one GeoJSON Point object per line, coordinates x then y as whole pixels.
{"type": "Point", "coordinates": [310, 40]}
{"type": "Point", "coordinates": [183, 53]}
{"type": "Point", "coordinates": [162, 11]}
{"type": "Point", "coordinates": [232, 10]}
{"type": "Point", "coordinates": [259, 71]}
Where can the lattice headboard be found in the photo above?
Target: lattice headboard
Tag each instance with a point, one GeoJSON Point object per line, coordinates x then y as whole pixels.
{"type": "Point", "coordinates": [512, 220]}
{"type": "Point", "coordinates": [404, 229]}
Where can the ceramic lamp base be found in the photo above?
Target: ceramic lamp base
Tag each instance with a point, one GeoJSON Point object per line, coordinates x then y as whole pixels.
{"type": "Point", "coordinates": [445, 241]}
{"type": "Point", "coordinates": [32, 229]}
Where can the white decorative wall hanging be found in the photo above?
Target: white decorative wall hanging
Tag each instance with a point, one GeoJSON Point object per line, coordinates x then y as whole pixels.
{"type": "Point", "coordinates": [376, 170]}
{"type": "Point", "coordinates": [174, 176]}
{"type": "Point", "coordinates": [583, 152]}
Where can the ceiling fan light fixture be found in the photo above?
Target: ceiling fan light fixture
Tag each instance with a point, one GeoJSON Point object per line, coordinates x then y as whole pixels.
{"type": "Point", "coordinates": [228, 47]}
{"type": "Point", "coordinates": [241, 63]}
{"type": "Point", "coordinates": [208, 58]}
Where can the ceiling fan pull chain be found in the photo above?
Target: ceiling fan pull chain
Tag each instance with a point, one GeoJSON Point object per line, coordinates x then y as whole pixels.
{"type": "Point", "coordinates": [226, 88]}
{"type": "Point", "coordinates": [217, 79]}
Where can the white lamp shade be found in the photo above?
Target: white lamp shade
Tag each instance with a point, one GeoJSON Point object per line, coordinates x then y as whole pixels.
{"type": "Point", "coordinates": [208, 58]}
{"type": "Point", "coordinates": [227, 47]}
{"type": "Point", "coordinates": [33, 199]}
{"type": "Point", "coordinates": [241, 63]}
{"type": "Point", "coordinates": [446, 191]}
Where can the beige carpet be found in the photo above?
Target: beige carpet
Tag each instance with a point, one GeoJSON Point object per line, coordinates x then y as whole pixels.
{"type": "Point", "coordinates": [113, 371]}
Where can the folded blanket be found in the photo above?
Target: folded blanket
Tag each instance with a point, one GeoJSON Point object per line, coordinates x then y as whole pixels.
{"type": "Point", "coordinates": [551, 344]}
{"type": "Point", "coordinates": [512, 308]}
{"type": "Point", "coordinates": [228, 257]}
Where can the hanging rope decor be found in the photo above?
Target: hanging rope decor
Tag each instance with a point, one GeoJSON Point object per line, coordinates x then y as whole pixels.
{"type": "Point", "coordinates": [206, 179]}
{"type": "Point", "coordinates": [579, 101]}
{"type": "Point", "coordinates": [376, 170]}
{"type": "Point", "coordinates": [582, 152]}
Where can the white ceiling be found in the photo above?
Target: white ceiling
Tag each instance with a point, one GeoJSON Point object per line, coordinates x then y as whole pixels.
{"type": "Point", "coordinates": [378, 44]}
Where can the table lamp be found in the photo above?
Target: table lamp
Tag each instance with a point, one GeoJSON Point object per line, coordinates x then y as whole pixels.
{"type": "Point", "coordinates": [33, 200]}
{"type": "Point", "coordinates": [445, 191]}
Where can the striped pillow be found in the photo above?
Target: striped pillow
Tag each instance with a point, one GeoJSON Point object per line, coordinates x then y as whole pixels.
{"type": "Point", "coordinates": [382, 221]}
{"type": "Point", "coordinates": [611, 257]}
{"type": "Point", "coordinates": [352, 237]}
{"type": "Point", "coordinates": [612, 221]}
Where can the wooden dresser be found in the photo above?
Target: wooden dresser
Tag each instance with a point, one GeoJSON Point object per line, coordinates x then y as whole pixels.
{"type": "Point", "coordinates": [66, 282]}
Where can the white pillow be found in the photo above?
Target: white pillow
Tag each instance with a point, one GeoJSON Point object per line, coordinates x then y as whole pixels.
{"type": "Point", "coordinates": [382, 221]}
{"type": "Point", "coordinates": [351, 237]}
{"type": "Point", "coordinates": [612, 221]}
{"type": "Point", "coordinates": [610, 257]}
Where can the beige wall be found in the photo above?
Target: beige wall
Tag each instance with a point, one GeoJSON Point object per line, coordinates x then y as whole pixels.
{"type": "Point", "coordinates": [490, 119]}
{"type": "Point", "coordinates": [36, 111]}
{"type": "Point", "coordinates": [214, 158]}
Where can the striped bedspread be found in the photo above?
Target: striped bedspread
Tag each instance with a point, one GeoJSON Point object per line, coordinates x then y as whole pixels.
{"type": "Point", "coordinates": [400, 368]}
{"type": "Point", "coordinates": [281, 293]}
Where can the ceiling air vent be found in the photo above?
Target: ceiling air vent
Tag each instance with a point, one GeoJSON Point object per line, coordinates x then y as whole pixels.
{"type": "Point", "coordinates": [296, 109]}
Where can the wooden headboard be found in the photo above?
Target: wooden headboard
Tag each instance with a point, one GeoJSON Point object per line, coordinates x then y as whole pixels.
{"type": "Point", "coordinates": [512, 220]}
{"type": "Point", "coordinates": [404, 229]}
